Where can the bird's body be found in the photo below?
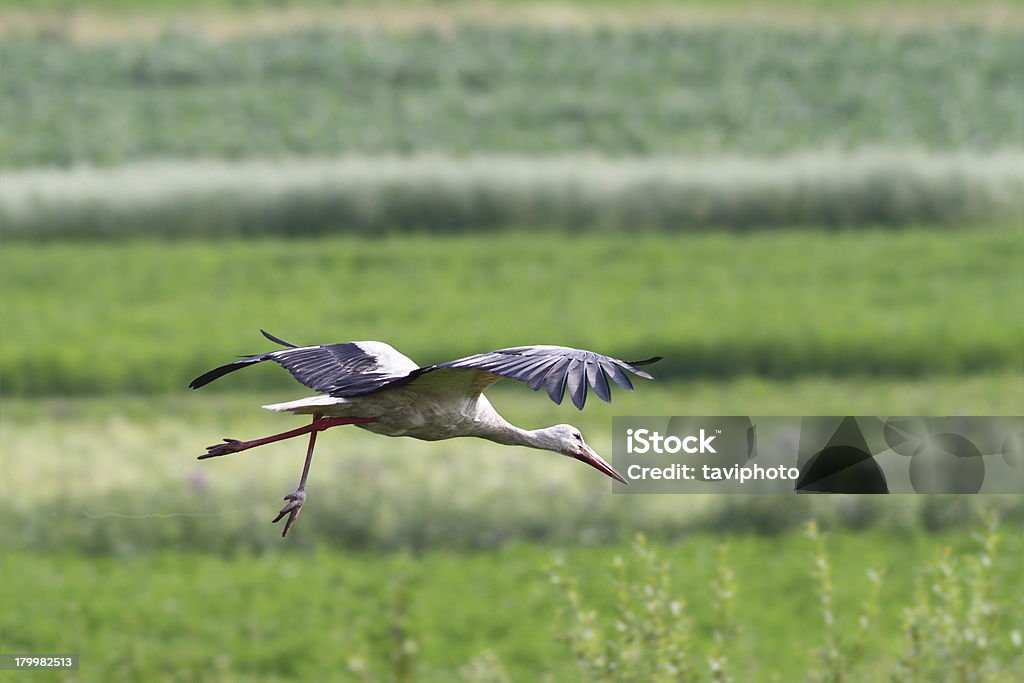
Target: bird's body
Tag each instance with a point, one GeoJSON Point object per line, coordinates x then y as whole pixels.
{"type": "Point", "coordinates": [375, 387]}
{"type": "Point", "coordinates": [426, 409]}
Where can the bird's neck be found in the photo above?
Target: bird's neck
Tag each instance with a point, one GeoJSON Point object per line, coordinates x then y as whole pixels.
{"type": "Point", "coordinates": [500, 430]}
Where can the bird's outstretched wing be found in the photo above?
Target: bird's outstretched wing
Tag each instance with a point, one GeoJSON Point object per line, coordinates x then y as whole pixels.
{"type": "Point", "coordinates": [556, 368]}
{"type": "Point", "coordinates": [355, 369]}
{"type": "Point", "coordinates": [348, 369]}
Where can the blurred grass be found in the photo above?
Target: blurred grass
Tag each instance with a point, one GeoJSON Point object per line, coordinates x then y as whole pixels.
{"type": "Point", "coordinates": [740, 90]}
{"type": "Point", "coordinates": [143, 316]}
{"type": "Point", "coordinates": [109, 21]}
{"type": "Point", "coordinates": [379, 196]}
{"type": "Point", "coordinates": [412, 5]}
{"type": "Point", "coordinates": [180, 616]}
{"type": "Point", "coordinates": [118, 474]}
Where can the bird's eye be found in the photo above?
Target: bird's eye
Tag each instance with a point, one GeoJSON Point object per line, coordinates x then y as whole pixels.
{"type": "Point", "coordinates": [578, 436]}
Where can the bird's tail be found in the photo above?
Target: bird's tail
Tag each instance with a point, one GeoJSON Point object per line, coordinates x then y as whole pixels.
{"type": "Point", "coordinates": [216, 373]}
{"type": "Point", "coordinates": [314, 405]}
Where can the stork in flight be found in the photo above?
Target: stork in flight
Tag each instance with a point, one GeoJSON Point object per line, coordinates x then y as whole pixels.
{"type": "Point", "coordinates": [371, 385]}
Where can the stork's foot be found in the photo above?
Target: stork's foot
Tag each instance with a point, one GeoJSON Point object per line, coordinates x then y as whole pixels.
{"type": "Point", "coordinates": [229, 446]}
{"type": "Point", "coordinates": [292, 508]}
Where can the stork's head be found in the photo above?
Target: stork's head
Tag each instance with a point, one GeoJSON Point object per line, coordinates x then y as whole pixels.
{"type": "Point", "coordinates": [567, 440]}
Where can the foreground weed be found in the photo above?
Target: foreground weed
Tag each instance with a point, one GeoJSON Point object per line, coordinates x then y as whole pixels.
{"type": "Point", "coordinates": [841, 653]}
{"type": "Point", "coordinates": [651, 635]}
{"type": "Point", "coordinates": [723, 588]}
{"type": "Point", "coordinates": [958, 629]}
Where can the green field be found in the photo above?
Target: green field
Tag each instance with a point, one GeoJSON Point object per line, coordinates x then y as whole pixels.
{"type": "Point", "coordinates": [570, 195]}
{"type": "Point", "coordinates": [521, 91]}
{"type": "Point", "coordinates": [444, 616]}
{"type": "Point", "coordinates": [781, 304]}
{"type": "Point", "coordinates": [118, 474]}
{"type": "Point", "coordinates": [643, 7]}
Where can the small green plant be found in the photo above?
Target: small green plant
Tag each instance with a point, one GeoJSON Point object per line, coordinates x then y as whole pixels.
{"type": "Point", "coordinates": [391, 652]}
{"type": "Point", "coordinates": [957, 630]}
{"type": "Point", "coordinates": [485, 667]}
{"type": "Point", "coordinates": [841, 653]}
{"type": "Point", "coordinates": [650, 637]}
{"type": "Point", "coordinates": [401, 640]}
{"type": "Point", "coordinates": [724, 589]}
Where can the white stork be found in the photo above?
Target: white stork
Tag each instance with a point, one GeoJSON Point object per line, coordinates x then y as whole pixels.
{"type": "Point", "coordinates": [371, 385]}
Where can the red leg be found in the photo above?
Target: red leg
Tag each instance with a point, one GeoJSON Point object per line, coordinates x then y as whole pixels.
{"type": "Point", "coordinates": [297, 497]}
{"type": "Point", "coordinates": [319, 424]}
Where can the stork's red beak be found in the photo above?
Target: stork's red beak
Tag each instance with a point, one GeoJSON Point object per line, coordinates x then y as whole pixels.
{"type": "Point", "coordinates": [588, 456]}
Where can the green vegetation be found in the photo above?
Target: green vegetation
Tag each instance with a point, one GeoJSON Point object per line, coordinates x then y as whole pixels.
{"type": "Point", "coordinates": [146, 316]}
{"type": "Point", "coordinates": [571, 194]}
{"type": "Point", "coordinates": [118, 474]}
{"type": "Point", "coordinates": [587, 175]}
{"type": "Point", "coordinates": [444, 616]}
{"type": "Point", "coordinates": [643, 6]}
{"type": "Point", "coordinates": [969, 623]}
{"type": "Point", "coordinates": [519, 91]}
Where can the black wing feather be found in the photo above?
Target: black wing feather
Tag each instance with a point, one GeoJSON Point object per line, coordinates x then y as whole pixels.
{"type": "Point", "coordinates": [618, 376]}
{"type": "Point", "coordinates": [277, 340]}
{"type": "Point", "coordinates": [339, 369]}
{"type": "Point", "coordinates": [556, 380]}
{"type": "Point", "coordinates": [576, 382]}
{"type": "Point", "coordinates": [597, 379]}
{"type": "Point", "coordinates": [536, 377]}
{"type": "Point", "coordinates": [218, 372]}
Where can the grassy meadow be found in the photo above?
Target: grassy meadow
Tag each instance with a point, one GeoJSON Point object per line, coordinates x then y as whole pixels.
{"type": "Point", "coordinates": [570, 195]}
{"type": "Point", "coordinates": [780, 305]}
{"type": "Point", "coordinates": [117, 474]}
{"type": "Point", "coordinates": [512, 614]}
{"type": "Point", "coordinates": [671, 91]}
{"type": "Point", "coordinates": [808, 208]}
